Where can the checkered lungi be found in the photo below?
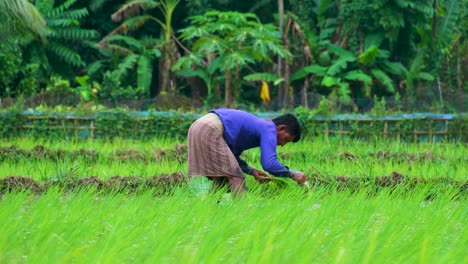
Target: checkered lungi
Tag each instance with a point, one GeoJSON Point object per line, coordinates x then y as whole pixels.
{"type": "Point", "coordinates": [208, 153]}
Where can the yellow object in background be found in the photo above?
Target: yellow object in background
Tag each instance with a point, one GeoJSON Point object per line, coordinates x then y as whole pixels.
{"type": "Point", "coordinates": [265, 93]}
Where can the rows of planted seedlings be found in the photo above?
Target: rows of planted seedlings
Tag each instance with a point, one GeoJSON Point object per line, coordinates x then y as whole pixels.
{"type": "Point", "coordinates": [118, 202]}
{"type": "Point", "coordinates": [323, 225]}
{"type": "Point", "coordinates": [168, 183]}
{"type": "Point", "coordinates": [344, 164]}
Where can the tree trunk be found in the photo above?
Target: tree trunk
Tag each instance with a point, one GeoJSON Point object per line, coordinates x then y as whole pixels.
{"type": "Point", "coordinates": [228, 89]}
{"type": "Point", "coordinates": [439, 87]}
{"type": "Point", "coordinates": [460, 77]}
{"type": "Point", "coordinates": [282, 89]}
{"type": "Point", "coordinates": [196, 85]}
{"type": "Point", "coordinates": [217, 91]}
{"type": "Point", "coordinates": [287, 100]}
{"type": "Point", "coordinates": [289, 95]}
{"type": "Point", "coordinates": [435, 21]}
{"type": "Point", "coordinates": [236, 85]}
{"type": "Point", "coordinates": [304, 100]}
{"type": "Point", "coordinates": [154, 90]}
{"type": "Point", "coordinates": [167, 82]}
{"type": "Point", "coordinates": [164, 69]}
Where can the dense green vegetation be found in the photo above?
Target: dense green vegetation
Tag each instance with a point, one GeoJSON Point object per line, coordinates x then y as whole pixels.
{"type": "Point", "coordinates": [273, 223]}
{"type": "Point", "coordinates": [45, 159]}
{"type": "Point", "coordinates": [112, 192]}
{"type": "Point", "coordinates": [85, 227]}
{"type": "Point", "coordinates": [218, 52]}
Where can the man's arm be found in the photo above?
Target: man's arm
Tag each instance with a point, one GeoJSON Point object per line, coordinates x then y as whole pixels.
{"type": "Point", "coordinates": [246, 168]}
{"type": "Point", "coordinates": [260, 176]}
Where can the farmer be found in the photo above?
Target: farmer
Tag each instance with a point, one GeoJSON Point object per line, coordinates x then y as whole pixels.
{"type": "Point", "coordinates": [216, 141]}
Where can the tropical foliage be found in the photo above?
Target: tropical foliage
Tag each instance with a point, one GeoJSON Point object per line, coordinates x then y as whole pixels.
{"type": "Point", "coordinates": [223, 52]}
{"type": "Point", "coordinates": [20, 18]}
{"type": "Point", "coordinates": [65, 37]}
{"type": "Point", "coordinates": [224, 45]}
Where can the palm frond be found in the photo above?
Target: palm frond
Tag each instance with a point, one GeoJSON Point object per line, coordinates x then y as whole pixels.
{"type": "Point", "coordinates": [133, 8]}
{"type": "Point", "coordinates": [358, 75]}
{"type": "Point", "coordinates": [344, 93]}
{"type": "Point", "coordinates": [137, 22]}
{"type": "Point", "coordinates": [342, 53]}
{"type": "Point", "coordinates": [190, 73]}
{"type": "Point", "coordinates": [116, 50]}
{"type": "Point", "coordinates": [129, 41]}
{"type": "Point", "coordinates": [337, 66]}
{"type": "Point", "coordinates": [75, 14]}
{"type": "Point", "coordinates": [57, 11]}
{"type": "Point", "coordinates": [384, 79]}
{"type": "Point", "coordinates": [369, 55]}
{"type": "Point", "coordinates": [312, 69]}
{"type": "Point", "coordinates": [262, 76]}
{"type": "Point", "coordinates": [341, 62]}
{"type": "Point", "coordinates": [330, 81]}
{"type": "Point", "coordinates": [127, 64]}
{"type": "Point", "coordinates": [448, 22]}
{"type": "Point", "coordinates": [20, 17]}
{"type": "Point", "coordinates": [215, 65]}
{"type": "Point", "coordinates": [94, 67]}
{"type": "Point", "coordinates": [187, 62]}
{"type": "Point", "coordinates": [424, 76]}
{"type": "Point", "coordinates": [65, 53]}
{"type": "Point", "coordinates": [74, 33]}
{"type": "Point", "coordinates": [395, 68]}
{"type": "Point", "coordinates": [236, 59]}
{"type": "Point", "coordinates": [144, 73]}
{"type": "Point", "coordinates": [62, 22]}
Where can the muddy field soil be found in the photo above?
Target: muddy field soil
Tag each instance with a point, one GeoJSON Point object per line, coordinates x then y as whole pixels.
{"type": "Point", "coordinates": [160, 184]}
{"type": "Point", "coordinates": [425, 156]}
{"type": "Point", "coordinates": [166, 183]}
{"type": "Point", "coordinates": [14, 153]}
{"type": "Point", "coordinates": [394, 181]}
{"type": "Point", "coordinates": [179, 153]}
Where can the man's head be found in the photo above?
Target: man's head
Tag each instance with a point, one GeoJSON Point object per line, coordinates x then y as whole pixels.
{"type": "Point", "coordinates": [288, 129]}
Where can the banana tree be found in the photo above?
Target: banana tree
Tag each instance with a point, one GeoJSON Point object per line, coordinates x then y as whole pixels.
{"type": "Point", "coordinates": [130, 13]}
{"type": "Point", "coordinates": [416, 73]}
{"type": "Point", "coordinates": [123, 55]}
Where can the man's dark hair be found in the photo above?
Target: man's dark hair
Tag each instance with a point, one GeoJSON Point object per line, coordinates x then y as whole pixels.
{"type": "Point", "coordinates": [294, 127]}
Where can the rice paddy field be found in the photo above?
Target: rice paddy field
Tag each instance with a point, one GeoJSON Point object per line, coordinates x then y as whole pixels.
{"type": "Point", "coordinates": [125, 201]}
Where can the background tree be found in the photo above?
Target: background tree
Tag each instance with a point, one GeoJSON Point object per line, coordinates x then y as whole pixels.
{"type": "Point", "coordinates": [56, 52]}
{"type": "Point", "coordinates": [131, 11]}
{"type": "Point", "coordinates": [425, 37]}
{"type": "Point", "coordinates": [225, 44]}
{"type": "Point", "coordinates": [20, 18]}
{"type": "Point", "coordinates": [65, 38]}
{"type": "Point", "coordinates": [125, 55]}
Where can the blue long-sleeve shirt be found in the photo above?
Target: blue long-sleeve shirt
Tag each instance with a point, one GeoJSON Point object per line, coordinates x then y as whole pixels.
{"type": "Point", "coordinates": [243, 131]}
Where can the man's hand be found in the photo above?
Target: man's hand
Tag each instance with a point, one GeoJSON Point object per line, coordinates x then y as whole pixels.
{"type": "Point", "coordinates": [299, 177]}
{"type": "Point", "coordinates": [261, 176]}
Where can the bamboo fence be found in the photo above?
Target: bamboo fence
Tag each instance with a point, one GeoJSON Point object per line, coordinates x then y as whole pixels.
{"type": "Point", "coordinates": [435, 126]}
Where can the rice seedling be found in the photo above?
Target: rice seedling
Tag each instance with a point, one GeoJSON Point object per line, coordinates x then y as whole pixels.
{"type": "Point", "coordinates": [273, 223]}
{"type": "Point", "coordinates": [322, 226]}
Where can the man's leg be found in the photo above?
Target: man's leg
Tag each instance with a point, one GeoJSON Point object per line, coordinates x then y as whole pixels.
{"type": "Point", "coordinates": [237, 185]}
{"type": "Point", "coordinates": [218, 183]}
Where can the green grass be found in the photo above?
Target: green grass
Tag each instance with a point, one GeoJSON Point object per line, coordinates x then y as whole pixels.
{"type": "Point", "coordinates": [319, 227]}
{"type": "Point", "coordinates": [310, 156]}
{"type": "Point", "coordinates": [270, 224]}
